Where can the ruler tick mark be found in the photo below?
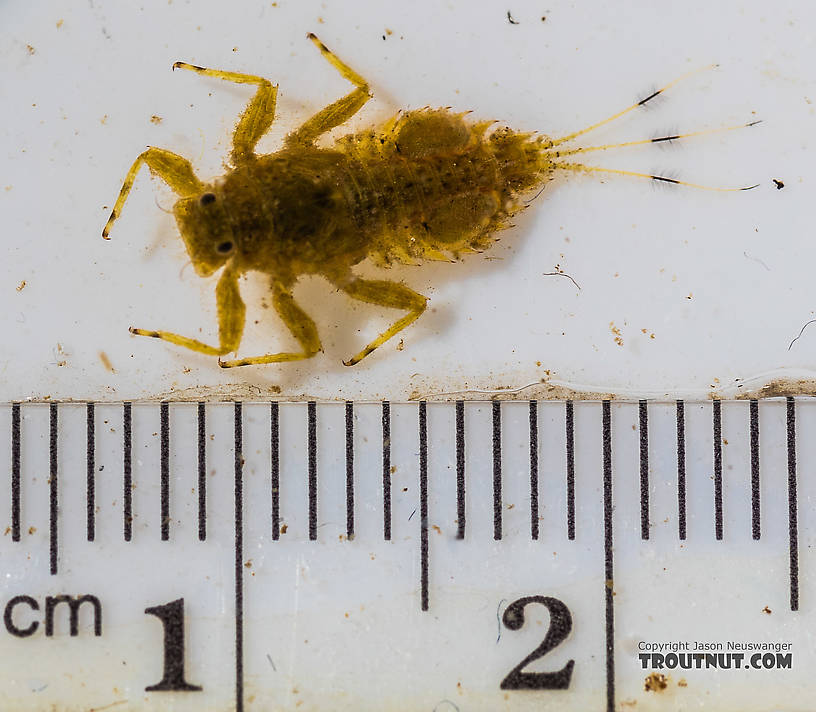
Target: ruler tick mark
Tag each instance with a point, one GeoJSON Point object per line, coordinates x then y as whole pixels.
{"type": "Point", "coordinates": [202, 472]}
{"type": "Point", "coordinates": [643, 426]}
{"type": "Point", "coordinates": [423, 503]}
{"type": "Point", "coordinates": [460, 470]}
{"type": "Point", "coordinates": [90, 461]}
{"type": "Point", "coordinates": [127, 466]}
{"type": "Point", "coordinates": [15, 471]}
{"type": "Point", "coordinates": [274, 443]}
{"type": "Point", "coordinates": [239, 560]}
{"type": "Point", "coordinates": [756, 531]}
{"type": "Point", "coordinates": [681, 470]}
{"type": "Point", "coordinates": [718, 481]}
{"type": "Point", "coordinates": [793, 525]}
{"type": "Point", "coordinates": [164, 410]}
{"type": "Point", "coordinates": [609, 577]}
{"type": "Point", "coordinates": [53, 445]}
{"type": "Point", "coordinates": [349, 470]}
{"type": "Point", "coordinates": [497, 472]}
{"type": "Point", "coordinates": [533, 469]}
{"type": "Point", "coordinates": [386, 473]}
{"type": "Point", "coordinates": [312, 448]}
{"type": "Point", "coordinates": [569, 421]}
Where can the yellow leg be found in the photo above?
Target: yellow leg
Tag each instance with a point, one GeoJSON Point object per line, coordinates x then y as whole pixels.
{"type": "Point", "coordinates": [257, 117]}
{"type": "Point", "coordinates": [299, 323]}
{"type": "Point", "coordinates": [386, 294]}
{"type": "Point", "coordinates": [231, 315]}
{"type": "Point", "coordinates": [171, 168]}
{"type": "Point", "coordinates": [341, 110]}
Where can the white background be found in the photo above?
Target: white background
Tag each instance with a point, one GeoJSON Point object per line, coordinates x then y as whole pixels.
{"type": "Point", "coordinates": [722, 280]}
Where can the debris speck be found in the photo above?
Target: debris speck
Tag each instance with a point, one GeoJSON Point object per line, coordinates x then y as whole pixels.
{"type": "Point", "coordinates": [756, 259]}
{"type": "Point", "coordinates": [801, 331]}
{"type": "Point", "coordinates": [510, 19]}
{"type": "Point", "coordinates": [767, 610]}
{"type": "Point", "coordinates": [158, 119]}
{"type": "Point", "coordinates": [656, 682]}
{"type": "Point", "coordinates": [30, 49]}
{"type": "Point", "coordinates": [59, 23]}
{"type": "Point", "coordinates": [559, 272]}
{"type": "Point", "coordinates": [616, 333]}
{"type": "Point", "coordinates": [20, 287]}
{"type": "Point", "coordinates": [779, 184]}
{"type": "Point", "coordinates": [106, 362]}
{"type": "Point", "coordinates": [400, 345]}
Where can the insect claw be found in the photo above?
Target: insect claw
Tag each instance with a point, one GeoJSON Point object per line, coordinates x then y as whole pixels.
{"type": "Point", "coordinates": [144, 332]}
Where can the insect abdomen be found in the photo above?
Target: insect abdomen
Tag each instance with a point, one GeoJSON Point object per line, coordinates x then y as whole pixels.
{"type": "Point", "coordinates": [436, 187]}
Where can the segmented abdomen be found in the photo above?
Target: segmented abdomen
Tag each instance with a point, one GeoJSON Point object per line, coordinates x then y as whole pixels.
{"type": "Point", "coordinates": [430, 185]}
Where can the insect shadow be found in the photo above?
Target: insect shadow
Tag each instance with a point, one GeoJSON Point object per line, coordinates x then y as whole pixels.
{"type": "Point", "coordinates": [425, 185]}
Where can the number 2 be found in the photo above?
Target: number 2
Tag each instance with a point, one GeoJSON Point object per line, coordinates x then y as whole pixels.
{"type": "Point", "coordinates": [559, 629]}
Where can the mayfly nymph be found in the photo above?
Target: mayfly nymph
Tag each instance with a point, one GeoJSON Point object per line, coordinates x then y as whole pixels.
{"type": "Point", "coordinates": [428, 184]}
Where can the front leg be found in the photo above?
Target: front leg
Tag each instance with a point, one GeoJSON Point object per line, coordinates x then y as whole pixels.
{"type": "Point", "coordinates": [299, 323]}
{"type": "Point", "coordinates": [231, 317]}
{"type": "Point", "coordinates": [170, 167]}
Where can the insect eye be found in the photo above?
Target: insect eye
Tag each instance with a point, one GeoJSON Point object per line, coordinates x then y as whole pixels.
{"type": "Point", "coordinates": [207, 198]}
{"type": "Point", "coordinates": [224, 248]}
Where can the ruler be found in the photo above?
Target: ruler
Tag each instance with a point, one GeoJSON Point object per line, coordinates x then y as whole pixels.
{"type": "Point", "coordinates": [408, 556]}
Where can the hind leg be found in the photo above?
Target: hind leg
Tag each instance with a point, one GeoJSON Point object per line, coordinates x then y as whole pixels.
{"type": "Point", "coordinates": [386, 294]}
